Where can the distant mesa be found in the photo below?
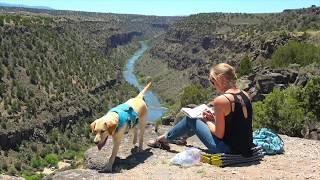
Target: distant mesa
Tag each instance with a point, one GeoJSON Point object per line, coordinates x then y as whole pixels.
{"type": "Point", "coordinates": [24, 6]}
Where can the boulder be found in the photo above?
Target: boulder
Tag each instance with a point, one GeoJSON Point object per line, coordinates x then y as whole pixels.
{"type": "Point", "coordinates": [267, 79]}
{"type": "Point", "coordinates": [6, 177]}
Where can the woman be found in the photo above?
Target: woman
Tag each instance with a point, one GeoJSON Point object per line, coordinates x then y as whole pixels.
{"type": "Point", "coordinates": [229, 128]}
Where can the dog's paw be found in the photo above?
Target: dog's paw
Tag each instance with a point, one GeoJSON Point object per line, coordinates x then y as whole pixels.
{"type": "Point", "coordinates": [136, 149]}
{"type": "Point", "coordinates": [106, 169]}
{"type": "Point", "coordinates": [140, 149]}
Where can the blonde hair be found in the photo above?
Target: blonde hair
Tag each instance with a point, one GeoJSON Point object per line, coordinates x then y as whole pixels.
{"type": "Point", "coordinates": [223, 69]}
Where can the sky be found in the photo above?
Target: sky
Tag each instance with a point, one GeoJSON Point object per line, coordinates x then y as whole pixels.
{"type": "Point", "coordinates": [170, 7]}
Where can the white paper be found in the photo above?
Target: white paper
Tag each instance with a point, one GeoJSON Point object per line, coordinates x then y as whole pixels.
{"type": "Point", "coordinates": [196, 112]}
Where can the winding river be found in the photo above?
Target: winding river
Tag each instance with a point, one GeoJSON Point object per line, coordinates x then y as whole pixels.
{"type": "Point", "coordinates": [155, 111]}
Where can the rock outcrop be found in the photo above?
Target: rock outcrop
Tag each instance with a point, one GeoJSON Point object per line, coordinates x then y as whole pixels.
{"type": "Point", "coordinates": [5, 177]}
{"type": "Point", "coordinates": [120, 39]}
{"type": "Point", "coordinates": [264, 81]}
{"type": "Point", "coordinates": [299, 161]}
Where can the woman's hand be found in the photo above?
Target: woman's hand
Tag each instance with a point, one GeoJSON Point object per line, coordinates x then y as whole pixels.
{"type": "Point", "coordinates": [208, 116]}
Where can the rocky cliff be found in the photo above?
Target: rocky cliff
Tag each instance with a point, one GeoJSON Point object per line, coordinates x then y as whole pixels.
{"type": "Point", "coordinates": [299, 161]}
{"type": "Point", "coordinates": [196, 42]}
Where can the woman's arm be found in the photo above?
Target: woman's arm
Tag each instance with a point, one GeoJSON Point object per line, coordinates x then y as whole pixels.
{"type": "Point", "coordinates": [220, 105]}
{"type": "Point", "coordinates": [219, 109]}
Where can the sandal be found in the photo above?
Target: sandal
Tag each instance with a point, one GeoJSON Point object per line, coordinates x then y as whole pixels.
{"type": "Point", "coordinates": [179, 142]}
{"type": "Point", "coordinates": [159, 144]}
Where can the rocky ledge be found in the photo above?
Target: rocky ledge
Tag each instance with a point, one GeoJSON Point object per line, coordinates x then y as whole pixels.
{"type": "Point", "coordinates": [299, 161]}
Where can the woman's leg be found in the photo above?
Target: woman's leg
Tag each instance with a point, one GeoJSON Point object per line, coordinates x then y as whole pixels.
{"type": "Point", "coordinates": [180, 129]}
{"type": "Point", "coordinates": [203, 132]}
{"type": "Point", "coordinates": [188, 126]}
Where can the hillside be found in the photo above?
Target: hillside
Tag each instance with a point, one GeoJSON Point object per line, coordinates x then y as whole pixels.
{"type": "Point", "coordinates": [276, 57]}
{"type": "Point", "coordinates": [194, 43]}
{"type": "Point", "coordinates": [61, 69]}
{"type": "Point", "coordinates": [58, 70]}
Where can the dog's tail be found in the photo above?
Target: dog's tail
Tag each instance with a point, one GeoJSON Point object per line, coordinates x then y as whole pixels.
{"type": "Point", "coordinates": [141, 94]}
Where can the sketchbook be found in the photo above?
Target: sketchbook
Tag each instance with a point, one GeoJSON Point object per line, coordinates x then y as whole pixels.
{"type": "Point", "coordinates": [196, 112]}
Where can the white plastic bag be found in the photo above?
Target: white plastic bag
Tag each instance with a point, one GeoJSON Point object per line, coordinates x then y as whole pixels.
{"type": "Point", "coordinates": [191, 156]}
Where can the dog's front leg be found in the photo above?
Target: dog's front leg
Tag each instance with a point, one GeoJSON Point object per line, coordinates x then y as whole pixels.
{"type": "Point", "coordinates": [116, 144]}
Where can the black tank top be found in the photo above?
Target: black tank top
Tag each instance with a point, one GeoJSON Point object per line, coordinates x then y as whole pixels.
{"type": "Point", "coordinates": [238, 129]}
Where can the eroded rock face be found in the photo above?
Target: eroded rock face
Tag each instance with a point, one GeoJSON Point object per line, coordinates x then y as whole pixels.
{"type": "Point", "coordinates": [13, 138]}
{"type": "Point", "coordinates": [120, 39]}
{"type": "Point", "coordinates": [269, 46]}
{"type": "Point", "coordinates": [265, 81]}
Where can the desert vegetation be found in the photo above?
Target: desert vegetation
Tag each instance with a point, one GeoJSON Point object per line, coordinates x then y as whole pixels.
{"type": "Point", "coordinates": [58, 71]}
{"type": "Point", "coordinates": [262, 47]}
{"type": "Point", "coordinates": [291, 110]}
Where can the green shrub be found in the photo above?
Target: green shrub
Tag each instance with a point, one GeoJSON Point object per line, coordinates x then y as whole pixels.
{"type": "Point", "coordinates": [44, 150]}
{"type": "Point", "coordinates": [311, 97]}
{"type": "Point", "coordinates": [3, 125]}
{"type": "Point", "coordinates": [30, 176]}
{"type": "Point", "coordinates": [280, 111]}
{"type": "Point", "coordinates": [34, 78]}
{"type": "Point", "coordinates": [36, 162]}
{"type": "Point", "coordinates": [245, 67]}
{"type": "Point", "coordinates": [69, 154]}
{"type": "Point", "coordinates": [12, 171]}
{"type": "Point", "coordinates": [1, 72]}
{"type": "Point", "coordinates": [288, 111]}
{"type": "Point", "coordinates": [52, 159]}
{"type": "Point", "coordinates": [18, 165]}
{"type": "Point", "coordinates": [34, 147]}
{"type": "Point", "coordinates": [15, 107]}
{"type": "Point", "coordinates": [75, 146]}
{"type": "Point", "coordinates": [2, 89]}
{"type": "Point", "coordinates": [193, 94]}
{"type": "Point", "coordinates": [20, 93]}
{"type": "Point", "coordinates": [295, 53]}
{"type": "Point", "coordinates": [4, 166]}
{"type": "Point", "coordinates": [1, 21]}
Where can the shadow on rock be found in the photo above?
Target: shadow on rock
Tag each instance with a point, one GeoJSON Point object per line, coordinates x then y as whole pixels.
{"type": "Point", "coordinates": [131, 161]}
{"type": "Point", "coordinates": [245, 164]}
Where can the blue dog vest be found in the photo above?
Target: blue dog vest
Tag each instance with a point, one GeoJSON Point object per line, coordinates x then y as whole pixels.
{"type": "Point", "coordinates": [126, 115]}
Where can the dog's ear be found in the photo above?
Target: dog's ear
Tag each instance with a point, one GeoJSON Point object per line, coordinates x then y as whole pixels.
{"type": "Point", "coordinates": [92, 126]}
{"type": "Point", "coordinates": [110, 127]}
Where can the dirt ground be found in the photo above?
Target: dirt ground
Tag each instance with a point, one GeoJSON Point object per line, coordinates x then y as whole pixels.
{"type": "Point", "coordinates": [301, 160]}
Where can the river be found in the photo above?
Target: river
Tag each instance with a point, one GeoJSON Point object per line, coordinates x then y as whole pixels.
{"type": "Point", "coordinates": [155, 111]}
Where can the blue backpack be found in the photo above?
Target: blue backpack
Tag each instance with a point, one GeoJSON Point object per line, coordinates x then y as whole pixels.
{"type": "Point", "coordinates": [269, 141]}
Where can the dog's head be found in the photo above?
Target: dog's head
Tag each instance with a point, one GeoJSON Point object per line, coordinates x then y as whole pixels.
{"type": "Point", "coordinates": [104, 127]}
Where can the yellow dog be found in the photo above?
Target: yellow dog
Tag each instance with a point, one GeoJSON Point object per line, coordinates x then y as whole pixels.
{"type": "Point", "coordinates": [115, 124]}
